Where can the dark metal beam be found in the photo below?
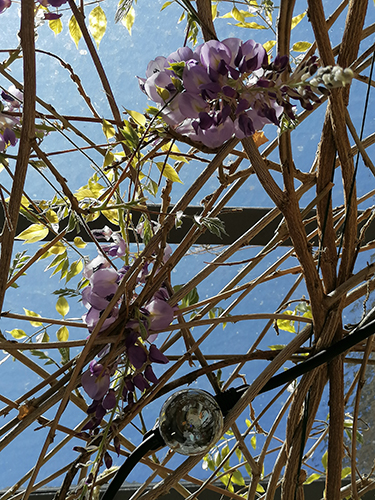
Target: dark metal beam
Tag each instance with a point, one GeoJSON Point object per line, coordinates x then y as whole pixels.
{"type": "Point", "coordinates": [237, 220]}
{"type": "Point", "coordinates": [313, 491]}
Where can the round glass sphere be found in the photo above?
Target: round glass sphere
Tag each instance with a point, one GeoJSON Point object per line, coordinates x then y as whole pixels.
{"type": "Point", "coordinates": [191, 421]}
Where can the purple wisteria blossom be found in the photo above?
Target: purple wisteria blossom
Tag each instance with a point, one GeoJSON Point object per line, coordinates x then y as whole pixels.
{"type": "Point", "coordinates": [9, 125]}
{"type": "Point", "coordinates": [133, 368]}
{"type": "Point", "coordinates": [96, 380]}
{"type": "Point", "coordinates": [4, 4]}
{"type": "Point", "coordinates": [229, 88]}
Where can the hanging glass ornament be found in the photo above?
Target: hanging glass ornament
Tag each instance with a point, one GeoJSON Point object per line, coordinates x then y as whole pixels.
{"type": "Point", "coordinates": [191, 422]}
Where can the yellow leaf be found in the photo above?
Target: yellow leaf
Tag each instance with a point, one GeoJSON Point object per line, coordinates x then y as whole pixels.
{"type": "Point", "coordinates": [297, 19]}
{"type": "Point", "coordinates": [252, 26]}
{"type": "Point", "coordinates": [74, 30]}
{"type": "Point", "coordinates": [108, 129]}
{"type": "Point", "coordinates": [62, 334]}
{"type": "Point", "coordinates": [226, 16]}
{"type": "Point", "coordinates": [165, 5]}
{"type": "Point", "coordinates": [312, 478]}
{"type": "Point", "coordinates": [32, 313]}
{"type": "Point", "coordinates": [98, 24]}
{"type": "Point", "coordinates": [253, 441]}
{"type": "Point", "coordinates": [79, 243]}
{"type": "Point", "coordinates": [33, 233]}
{"type": "Point", "coordinates": [17, 333]}
{"type": "Point", "coordinates": [137, 117]}
{"type": "Point", "coordinates": [237, 15]}
{"type": "Point", "coordinates": [301, 46]}
{"type": "Point", "coordinates": [172, 148]}
{"type": "Point", "coordinates": [56, 249]}
{"type": "Point", "coordinates": [56, 26]}
{"type": "Point", "coordinates": [286, 324]}
{"type": "Point", "coordinates": [75, 268]}
{"type": "Point", "coordinates": [128, 20]}
{"type": "Point", "coordinates": [62, 306]}
{"type": "Point", "coordinates": [269, 45]}
{"type": "Point", "coordinates": [52, 216]}
{"type": "Point", "coordinates": [214, 11]}
{"type": "Point", "coordinates": [168, 172]}
{"type": "Point", "coordinates": [108, 159]}
{"type": "Point", "coordinates": [111, 215]}
{"type": "Point", "coordinates": [259, 138]}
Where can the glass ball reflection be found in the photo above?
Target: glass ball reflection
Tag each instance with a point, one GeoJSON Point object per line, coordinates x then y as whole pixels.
{"type": "Point", "coordinates": [191, 422]}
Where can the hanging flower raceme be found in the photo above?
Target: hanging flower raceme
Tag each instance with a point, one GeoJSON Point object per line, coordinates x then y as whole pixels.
{"type": "Point", "coordinates": [229, 88]}
{"type": "Point", "coordinates": [132, 370]}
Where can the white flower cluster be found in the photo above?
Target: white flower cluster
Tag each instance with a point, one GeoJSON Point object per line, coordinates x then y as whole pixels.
{"type": "Point", "coordinates": [332, 77]}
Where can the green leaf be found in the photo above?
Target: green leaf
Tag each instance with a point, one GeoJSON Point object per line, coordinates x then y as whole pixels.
{"type": "Point", "coordinates": [97, 24]}
{"type": "Point", "coordinates": [237, 478]}
{"type": "Point", "coordinates": [260, 489]}
{"type": "Point", "coordinates": [62, 306]}
{"type": "Point", "coordinates": [168, 172]}
{"type": "Point", "coordinates": [301, 46]}
{"type": "Point", "coordinates": [42, 337]}
{"type": "Point", "coordinates": [312, 478]}
{"type": "Point", "coordinates": [137, 117]}
{"type": "Point", "coordinates": [56, 26]}
{"type": "Point", "coordinates": [33, 233]}
{"type": "Point", "coordinates": [213, 224]}
{"type": "Point", "coordinates": [191, 298]}
{"type": "Point", "coordinates": [297, 19]}
{"type": "Point", "coordinates": [108, 129]}
{"type": "Point", "coordinates": [285, 324]}
{"type": "Point", "coordinates": [32, 313]}
{"type": "Point", "coordinates": [75, 30]}
{"type": "Point", "coordinates": [62, 334]}
{"type": "Point", "coordinates": [65, 355]}
{"type": "Point", "coordinates": [17, 333]}
{"type": "Point", "coordinates": [128, 20]}
{"type": "Point", "coordinates": [130, 134]}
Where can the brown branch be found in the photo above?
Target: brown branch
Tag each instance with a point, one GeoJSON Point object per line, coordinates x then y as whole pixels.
{"type": "Point", "coordinates": [204, 9]}
{"type": "Point", "coordinates": [99, 67]}
{"type": "Point", "coordinates": [27, 133]}
{"type": "Point", "coordinates": [61, 180]}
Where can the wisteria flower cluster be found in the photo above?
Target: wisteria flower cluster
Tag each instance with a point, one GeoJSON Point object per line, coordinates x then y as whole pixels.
{"type": "Point", "coordinates": [9, 125]}
{"type": "Point", "coordinates": [229, 88]}
{"type": "Point", "coordinates": [133, 369]}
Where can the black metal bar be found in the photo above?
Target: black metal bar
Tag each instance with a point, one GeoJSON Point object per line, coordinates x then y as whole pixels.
{"type": "Point", "coordinates": [237, 220]}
